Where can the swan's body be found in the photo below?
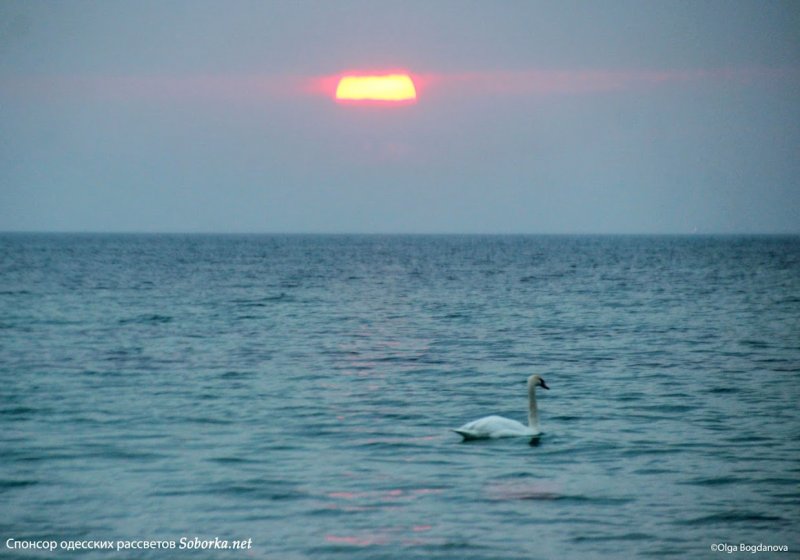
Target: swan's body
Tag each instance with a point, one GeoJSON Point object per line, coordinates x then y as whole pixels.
{"type": "Point", "coordinates": [494, 427]}
{"type": "Point", "coordinates": [491, 427]}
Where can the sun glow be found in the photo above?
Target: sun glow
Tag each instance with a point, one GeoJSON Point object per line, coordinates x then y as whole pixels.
{"type": "Point", "coordinates": [380, 88]}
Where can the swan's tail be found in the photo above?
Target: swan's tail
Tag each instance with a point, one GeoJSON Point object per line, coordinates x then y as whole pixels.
{"type": "Point", "coordinates": [465, 434]}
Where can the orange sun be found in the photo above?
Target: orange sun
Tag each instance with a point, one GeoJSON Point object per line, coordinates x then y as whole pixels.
{"type": "Point", "coordinates": [376, 88]}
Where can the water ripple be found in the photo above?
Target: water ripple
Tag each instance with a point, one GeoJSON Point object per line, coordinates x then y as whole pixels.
{"type": "Point", "coordinates": [300, 390]}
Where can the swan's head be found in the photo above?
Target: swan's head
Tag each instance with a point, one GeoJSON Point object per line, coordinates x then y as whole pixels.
{"type": "Point", "coordinates": [536, 381]}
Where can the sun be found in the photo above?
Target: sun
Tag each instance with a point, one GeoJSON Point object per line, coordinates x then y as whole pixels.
{"type": "Point", "coordinates": [394, 89]}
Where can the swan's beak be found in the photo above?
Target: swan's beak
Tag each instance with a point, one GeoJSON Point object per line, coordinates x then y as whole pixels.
{"type": "Point", "coordinates": [544, 385]}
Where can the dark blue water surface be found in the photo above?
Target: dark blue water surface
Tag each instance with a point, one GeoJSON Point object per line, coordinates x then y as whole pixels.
{"type": "Point", "coordinates": [299, 390]}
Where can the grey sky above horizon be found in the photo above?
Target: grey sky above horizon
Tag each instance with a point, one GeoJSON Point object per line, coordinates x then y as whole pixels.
{"type": "Point", "coordinates": [532, 117]}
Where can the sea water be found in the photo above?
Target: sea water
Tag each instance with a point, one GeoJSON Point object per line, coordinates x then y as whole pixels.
{"type": "Point", "coordinates": [297, 393]}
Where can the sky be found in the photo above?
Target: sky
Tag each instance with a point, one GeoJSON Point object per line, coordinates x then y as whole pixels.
{"type": "Point", "coordinates": [532, 117]}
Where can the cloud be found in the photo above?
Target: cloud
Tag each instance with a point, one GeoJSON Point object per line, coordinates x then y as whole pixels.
{"type": "Point", "coordinates": [165, 88]}
{"type": "Point", "coordinates": [255, 87]}
{"type": "Point", "coordinates": [555, 82]}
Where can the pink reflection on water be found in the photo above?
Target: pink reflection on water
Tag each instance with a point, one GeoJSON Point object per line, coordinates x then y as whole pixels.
{"type": "Point", "coordinates": [524, 490]}
{"type": "Point", "coordinates": [393, 494]}
{"type": "Point", "coordinates": [424, 541]}
{"type": "Point", "coordinates": [349, 508]}
{"type": "Point", "coordinates": [368, 540]}
{"type": "Point", "coordinates": [384, 500]}
{"type": "Point", "coordinates": [396, 439]}
{"type": "Point", "coordinates": [388, 535]}
{"type": "Point", "coordinates": [358, 501]}
{"type": "Point", "coordinates": [423, 491]}
{"type": "Point", "coordinates": [343, 495]}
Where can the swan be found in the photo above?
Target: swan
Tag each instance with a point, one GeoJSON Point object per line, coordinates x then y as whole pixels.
{"type": "Point", "coordinates": [490, 427]}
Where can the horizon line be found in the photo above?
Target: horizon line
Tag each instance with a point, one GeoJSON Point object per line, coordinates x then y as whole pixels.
{"type": "Point", "coordinates": [407, 233]}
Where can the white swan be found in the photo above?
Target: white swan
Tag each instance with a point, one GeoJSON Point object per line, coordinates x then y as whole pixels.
{"type": "Point", "coordinates": [490, 427]}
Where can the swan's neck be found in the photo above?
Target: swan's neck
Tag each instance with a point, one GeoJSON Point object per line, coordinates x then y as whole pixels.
{"type": "Point", "coordinates": [533, 415]}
